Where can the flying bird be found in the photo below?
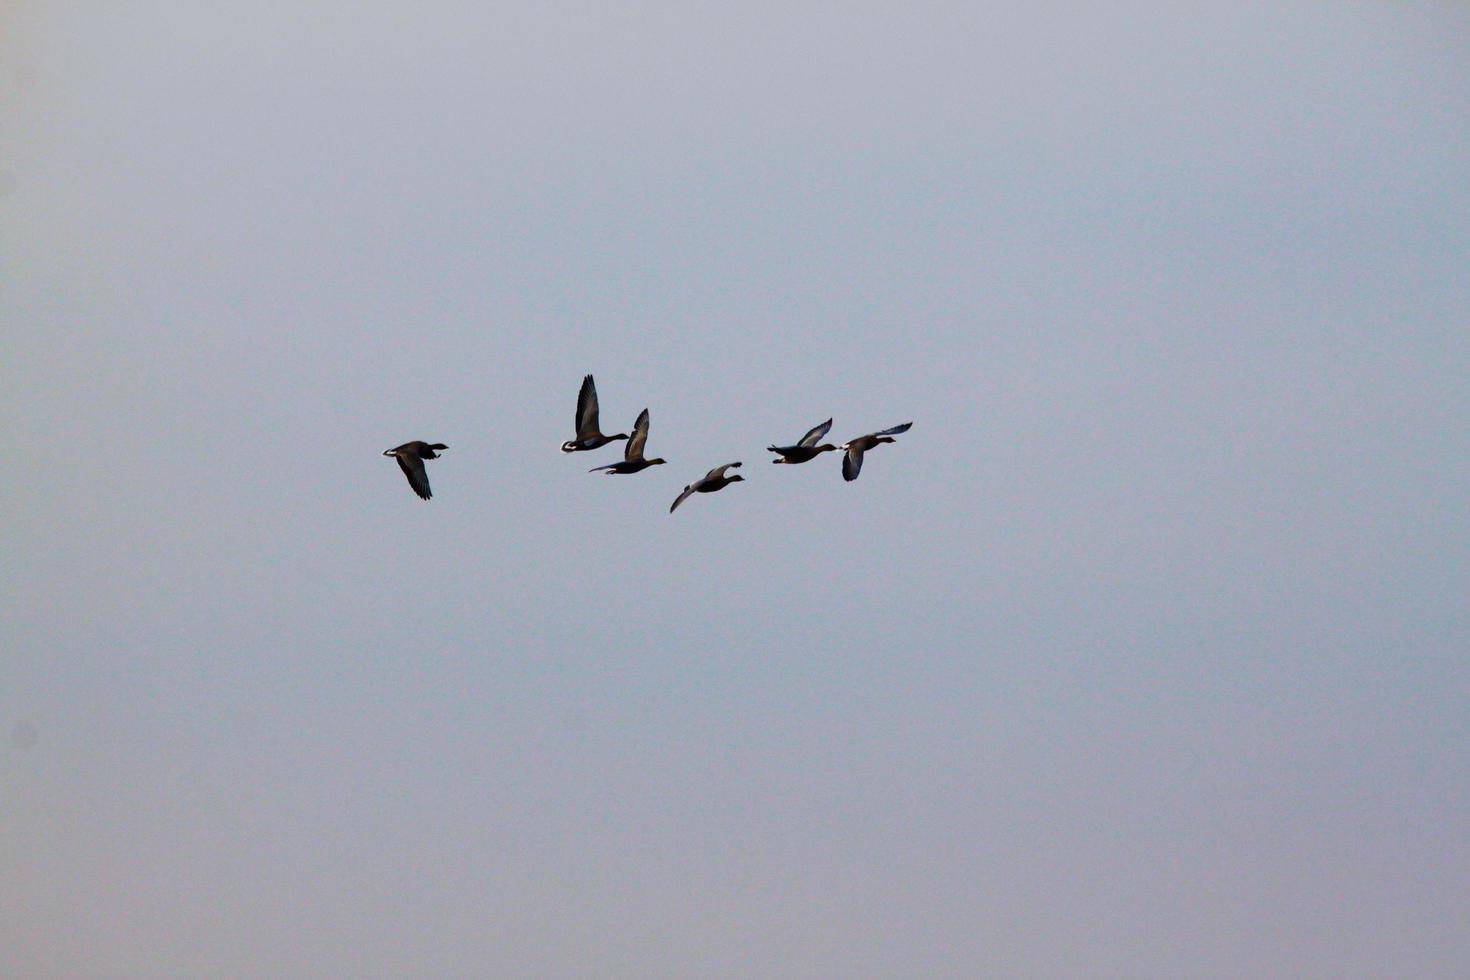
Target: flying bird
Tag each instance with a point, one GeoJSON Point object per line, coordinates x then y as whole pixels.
{"type": "Point", "coordinates": [589, 436]}
{"type": "Point", "coordinates": [852, 463]}
{"type": "Point", "coordinates": [714, 480]}
{"type": "Point", "coordinates": [411, 456]}
{"type": "Point", "coordinates": [806, 447]}
{"type": "Point", "coordinates": [633, 460]}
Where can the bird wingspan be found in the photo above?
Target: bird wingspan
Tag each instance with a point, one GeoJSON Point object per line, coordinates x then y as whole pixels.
{"type": "Point", "coordinates": [681, 498]}
{"type": "Point", "coordinates": [587, 409]}
{"type": "Point", "coordinates": [634, 449]}
{"type": "Point", "coordinates": [810, 439]}
{"type": "Point", "coordinates": [418, 477]}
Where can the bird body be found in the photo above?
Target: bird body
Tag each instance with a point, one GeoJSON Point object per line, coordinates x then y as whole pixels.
{"type": "Point", "coordinates": [806, 447]}
{"type": "Point", "coordinates": [714, 480]}
{"type": "Point", "coordinates": [632, 461]}
{"type": "Point", "coordinates": [411, 456]}
{"type": "Point", "coordinates": [852, 463]}
{"type": "Point", "coordinates": [589, 435]}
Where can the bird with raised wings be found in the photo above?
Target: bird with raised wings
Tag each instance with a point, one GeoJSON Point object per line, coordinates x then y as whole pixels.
{"type": "Point", "coordinates": [632, 461]}
{"type": "Point", "coordinates": [589, 435]}
{"type": "Point", "coordinates": [806, 447]}
{"type": "Point", "coordinates": [714, 480]}
{"type": "Point", "coordinates": [411, 456]}
{"type": "Point", "coordinates": [852, 463]}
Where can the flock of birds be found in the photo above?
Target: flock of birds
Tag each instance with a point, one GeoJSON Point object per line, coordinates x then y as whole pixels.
{"type": "Point", "coordinates": [411, 455]}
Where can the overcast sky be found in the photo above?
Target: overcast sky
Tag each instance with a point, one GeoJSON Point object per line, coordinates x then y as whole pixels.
{"type": "Point", "coordinates": [1144, 653]}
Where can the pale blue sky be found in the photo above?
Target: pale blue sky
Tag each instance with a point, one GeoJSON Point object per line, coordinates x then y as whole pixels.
{"type": "Point", "coordinates": [1143, 654]}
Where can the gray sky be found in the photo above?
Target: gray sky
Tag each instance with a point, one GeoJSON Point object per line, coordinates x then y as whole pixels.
{"type": "Point", "coordinates": [1143, 654]}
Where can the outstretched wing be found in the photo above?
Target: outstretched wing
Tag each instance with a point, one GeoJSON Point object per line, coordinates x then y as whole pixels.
{"type": "Point", "coordinates": [634, 448]}
{"type": "Point", "coordinates": [810, 439]}
{"type": "Point", "coordinates": [895, 430]}
{"type": "Point", "coordinates": [680, 499]}
{"type": "Point", "coordinates": [587, 409]}
{"type": "Point", "coordinates": [718, 472]}
{"type": "Point", "coordinates": [852, 463]}
{"type": "Point", "coordinates": [418, 477]}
